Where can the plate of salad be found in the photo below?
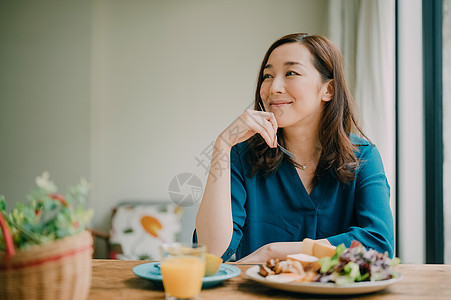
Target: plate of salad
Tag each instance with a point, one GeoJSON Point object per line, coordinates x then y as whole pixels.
{"type": "Point", "coordinates": [353, 270]}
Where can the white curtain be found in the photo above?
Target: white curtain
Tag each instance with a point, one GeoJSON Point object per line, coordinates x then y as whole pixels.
{"type": "Point", "coordinates": [343, 21]}
{"type": "Point", "coordinates": [364, 30]}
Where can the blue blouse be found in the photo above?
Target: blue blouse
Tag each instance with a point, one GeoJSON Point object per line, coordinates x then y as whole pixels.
{"type": "Point", "coordinates": [277, 208]}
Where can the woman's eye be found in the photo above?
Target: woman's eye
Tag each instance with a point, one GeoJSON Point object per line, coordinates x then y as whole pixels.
{"type": "Point", "coordinates": [291, 73]}
{"type": "Point", "coordinates": [266, 76]}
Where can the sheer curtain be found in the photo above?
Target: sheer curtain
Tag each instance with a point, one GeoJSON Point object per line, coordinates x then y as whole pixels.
{"type": "Point", "coordinates": [365, 32]}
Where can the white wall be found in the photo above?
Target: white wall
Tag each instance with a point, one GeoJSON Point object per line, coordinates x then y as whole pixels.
{"type": "Point", "coordinates": [128, 93]}
{"type": "Point", "coordinates": [411, 133]}
{"type": "Point", "coordinates": [45, 79]}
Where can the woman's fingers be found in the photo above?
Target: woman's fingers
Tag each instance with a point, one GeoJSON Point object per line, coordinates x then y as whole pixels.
{"type": "Point", "coordinates": [262, 129]}
{"type": "Point", "coordinates": [274, 125]}
{"type": "Point", "coordinates": [260, 122]}
{"type": "Point", "coordinates": [268, 125]}
{"type": "Point", "coordinates": [249, 123]}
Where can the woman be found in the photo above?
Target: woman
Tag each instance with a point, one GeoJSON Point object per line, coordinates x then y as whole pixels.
{"type": "Point", "coordinates": [260, 203]}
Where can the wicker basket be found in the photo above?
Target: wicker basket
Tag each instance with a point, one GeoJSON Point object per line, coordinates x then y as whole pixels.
{"type": "Point", "coordinates": [58, 270]}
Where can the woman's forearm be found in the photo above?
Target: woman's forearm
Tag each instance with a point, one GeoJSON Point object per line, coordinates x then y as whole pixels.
{"type": "Point", "coordinates": [214, 223]}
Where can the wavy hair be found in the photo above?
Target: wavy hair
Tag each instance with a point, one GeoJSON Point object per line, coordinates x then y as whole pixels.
{"type": "Point", "coordinates": [338, 119]}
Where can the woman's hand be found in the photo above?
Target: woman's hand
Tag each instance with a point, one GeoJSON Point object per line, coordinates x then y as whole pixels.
{"type": "Point", "coordinates": [249, 123]}
{"type": "Point", "coordinates": [273, 250]}
{"type": "Point", "coordinates": [278, 250]}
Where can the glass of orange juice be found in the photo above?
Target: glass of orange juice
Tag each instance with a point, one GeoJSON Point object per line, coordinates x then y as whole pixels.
{"type": "Point", "coordinates": [182, 268]}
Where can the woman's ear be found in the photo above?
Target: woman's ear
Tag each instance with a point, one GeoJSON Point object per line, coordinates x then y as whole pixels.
{"type": "Point", "coordinates": [328, 91]}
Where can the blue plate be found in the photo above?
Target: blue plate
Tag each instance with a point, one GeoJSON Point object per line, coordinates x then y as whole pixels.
{"type": "Point", "coordinates": [151, 271]}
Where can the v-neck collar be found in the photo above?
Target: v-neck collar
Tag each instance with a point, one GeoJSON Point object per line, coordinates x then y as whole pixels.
{"type": "Point", "coordinates": [317, 191]}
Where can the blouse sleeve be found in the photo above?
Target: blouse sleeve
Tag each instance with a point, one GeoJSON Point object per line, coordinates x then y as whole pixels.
{"type": "Point", "coordinates": [374, 227]}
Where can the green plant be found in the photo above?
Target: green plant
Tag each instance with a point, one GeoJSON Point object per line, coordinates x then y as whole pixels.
{"type": "Point", "coordinates": [46, 216]}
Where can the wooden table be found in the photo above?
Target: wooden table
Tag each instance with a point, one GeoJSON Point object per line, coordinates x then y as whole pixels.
{"type": "Point", "coordinates": [114, 279]}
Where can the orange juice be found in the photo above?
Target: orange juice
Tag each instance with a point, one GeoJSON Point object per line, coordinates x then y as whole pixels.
{"type": "Point", "coordinates": [182, 276]}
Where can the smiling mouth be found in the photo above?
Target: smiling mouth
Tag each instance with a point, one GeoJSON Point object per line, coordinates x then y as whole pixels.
{"type": "Point", "coordinates": [280, 104]}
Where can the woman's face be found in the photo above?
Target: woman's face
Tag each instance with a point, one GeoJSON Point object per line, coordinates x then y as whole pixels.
{"type": "Point", "coordinates": [292, 88]}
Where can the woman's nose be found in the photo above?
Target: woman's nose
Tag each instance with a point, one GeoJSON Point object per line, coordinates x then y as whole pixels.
{"type": "Point", "coordinates": [277, 86]}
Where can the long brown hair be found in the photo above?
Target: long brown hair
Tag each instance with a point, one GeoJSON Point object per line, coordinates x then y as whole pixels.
{"type": "Point", "coordinates": [337, 122]}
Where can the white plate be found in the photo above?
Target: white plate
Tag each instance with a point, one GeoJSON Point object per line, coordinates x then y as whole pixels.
{"type": "Point", "coordinates": [323, 288]}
